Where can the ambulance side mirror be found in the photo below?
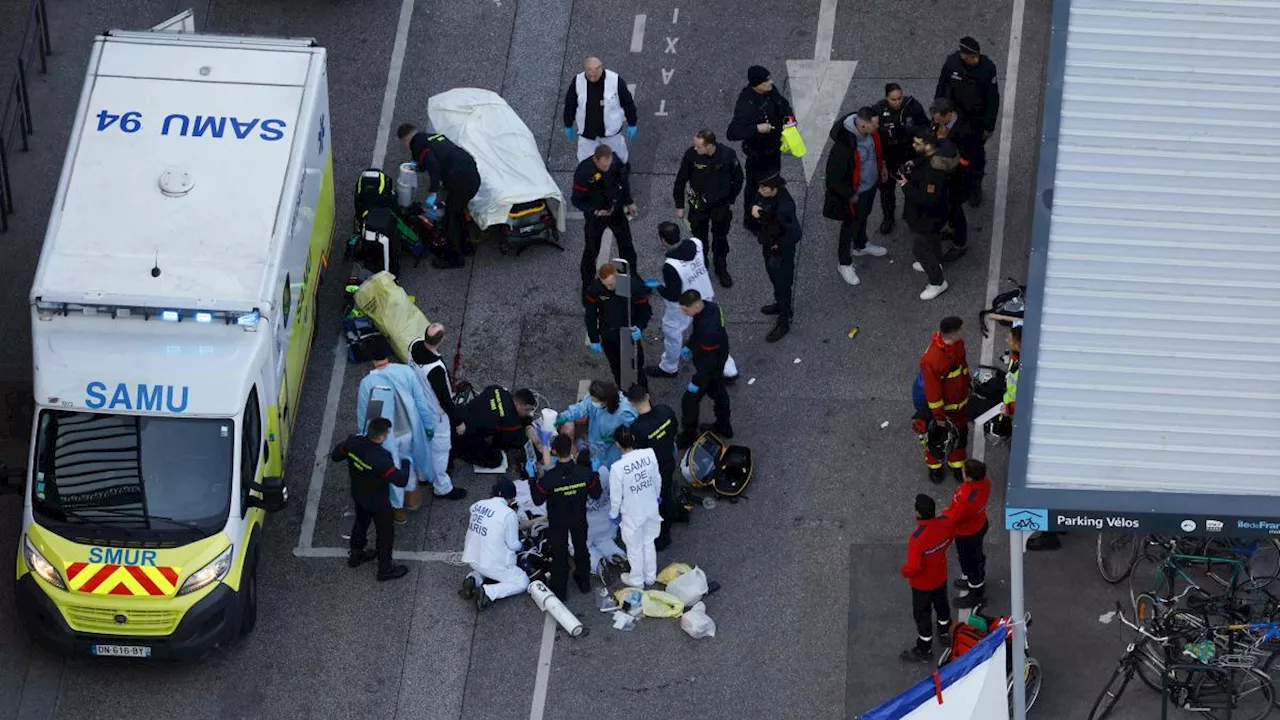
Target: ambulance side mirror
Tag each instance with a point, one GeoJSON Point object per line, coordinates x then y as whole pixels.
{"type": "Point", "coordinates": [274, 494]}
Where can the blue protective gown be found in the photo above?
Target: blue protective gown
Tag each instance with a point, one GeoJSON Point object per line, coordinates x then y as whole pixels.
{"type": "Point", "coordinates": [398, 383]}
{"type": "Point", "coordinates": [600, 426]}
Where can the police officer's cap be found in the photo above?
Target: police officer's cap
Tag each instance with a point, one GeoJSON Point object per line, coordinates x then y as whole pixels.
{"type": "Point", "coordinates": [969, 46]}
{"type": "Point", "coordinates": [773, 181]}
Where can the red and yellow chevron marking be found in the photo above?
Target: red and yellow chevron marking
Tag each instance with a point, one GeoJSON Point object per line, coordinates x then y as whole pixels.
{"type": "Point", "coordinates": [106, 579]}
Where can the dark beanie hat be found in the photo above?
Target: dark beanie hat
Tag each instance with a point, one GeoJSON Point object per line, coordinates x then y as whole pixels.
{"type": "Point", "coordinates": [773, 181]}
{"type": "Point", "coordinates": [505, 489]}
{"type": "Point", "coordinates": [925, 507]}
{"type": "Point", "coordinates": [756, 75]}
{"type": "Point", "coordinates": [970, 46]}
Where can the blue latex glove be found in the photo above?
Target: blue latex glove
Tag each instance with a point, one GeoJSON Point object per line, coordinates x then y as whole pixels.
{"type": "Point", "coordinates": [686, 353]}
{"type": "Point", "coordinates": [692, 388]}
{"type": "Point", "coordinates": [528, 468]}
{"type": "Point", "coordinates": [434, 212]}
{"type": "Point", "coordinates": [596, 348]}
{"type": "Point", "coordinates": [595, 465]}
{"type": "Point", "coordinates": [631, 132]}
{"type": "Point", "coordinates": [569, 133]}
{"type": "Point", "coordinates": [635, 334]}
{"type": "Point", "coordinates": [431, 200]}
{"type": "Point", "coordinates": [652, 283]}
{"type": "Point", "coordinates": [616, 520]}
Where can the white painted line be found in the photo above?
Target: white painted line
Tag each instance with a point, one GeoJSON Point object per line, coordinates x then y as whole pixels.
{"type": "Point", "coordinates": [631, 88]}
{"type": "Point", "coordinates": [324, 444]}
{"type": "Point", "coordinates": [675, 16]}
{"type": "Point", "coordinates": [637, 34]}
{"type": "Point", "coordinates": [824, 40]}
{"type": "Point", "coordinates": [410, 556]}
{"type": "Point", "coordinates": [1001, 207]}
{"type": "Point", "coordinates": [573, 215]}
{"type": "Point", "coordinates": [539, 704]}
{"type": "Point", "coordinates": [584, 387]}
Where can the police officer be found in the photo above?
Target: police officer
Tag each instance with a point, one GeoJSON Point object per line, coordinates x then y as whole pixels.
{"type": "Point", "coordinates": [779, 234]}
{"type": "Point", "coordinates": [926, 573]}
{"type": "Point", "coordinates": [708, 346]}
{"type": "Point", "coordinates": [372, 474]}
{"type": "Point", "coordinates": [565, 489]}
{"type": "Point", "coordinates": [602, 191]}
{"type": "Point", "coordinates": [713, 179]}
{"type": "Point", "coordinates": [606, 316]}
{"type": "Point", "coordinates": [656, 427]}
{"type": "Point", "coordinates": [899, 115]}
{"type": "Point", "coordinates": [454, 168]}
{"type": "Point", "coordinates": [758, 118]}
{"type": "Point", "coordinates": [968, 79]}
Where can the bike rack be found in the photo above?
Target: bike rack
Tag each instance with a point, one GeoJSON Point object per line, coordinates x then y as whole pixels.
{"type": "Point", "coordinates": [17, 99]}
{"type": "Point", "coordinates": [1190, 669]}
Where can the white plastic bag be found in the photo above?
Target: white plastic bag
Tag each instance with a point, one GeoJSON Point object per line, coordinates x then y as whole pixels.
{"type": "Point", "coordinates": [689, 587]}
{"type": "Point", "coordinates": [697, 623]}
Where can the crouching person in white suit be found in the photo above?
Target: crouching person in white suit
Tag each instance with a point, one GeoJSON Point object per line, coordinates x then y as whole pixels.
{"type": "Point", "coordinates": [493, 539]}
{"type": "Point", "coordinates": [634, 486]}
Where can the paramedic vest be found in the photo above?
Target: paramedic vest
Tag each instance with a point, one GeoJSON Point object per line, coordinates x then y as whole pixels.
{"type": "Point", "coordinates": [614, 118]}
{"type": "Point", "coordinates": [693, 273]}
{"type": "Point", "coordinates": [433, 402]}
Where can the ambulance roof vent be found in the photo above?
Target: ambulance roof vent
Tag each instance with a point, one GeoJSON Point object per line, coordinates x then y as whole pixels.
{"type": "Point", "coordinates": [176, 182]}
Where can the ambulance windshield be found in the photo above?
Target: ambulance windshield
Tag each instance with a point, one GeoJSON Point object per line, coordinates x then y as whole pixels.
{"type": "Point", "coordinates": [132, 476]}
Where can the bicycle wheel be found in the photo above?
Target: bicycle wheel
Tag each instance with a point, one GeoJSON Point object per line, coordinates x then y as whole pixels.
{"type": "Point", "coordinates": [1234, 564]}
{"type": "Point", "coordinates": [1116, 554]}
{"type": "Point", "coordinates": [1235, 692]}
{"type": "Point", "coordinates": [1265, 562]}
{"type": "Point", "coordinates": [1034, 678]}
{"type": "Point", "coordinates": [1148, 576]}
{"type": "Point", "coordinates": [1112, 691]}
{"type": "Point", "coordinates": [1149, 664]}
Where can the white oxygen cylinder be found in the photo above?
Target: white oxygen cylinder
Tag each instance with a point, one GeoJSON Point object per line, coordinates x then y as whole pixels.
{"type": "Point", "coordinates": [548, 602]}
{"type": "Point", "coordinates": [406, 183]}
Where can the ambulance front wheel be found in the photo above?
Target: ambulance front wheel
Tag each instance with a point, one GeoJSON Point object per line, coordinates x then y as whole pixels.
{"type": "Point", "coordinates": [249, 601]}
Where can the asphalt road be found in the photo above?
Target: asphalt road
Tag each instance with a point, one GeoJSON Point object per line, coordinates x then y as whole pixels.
{"type": "Point", "coordinates": [812, 613]}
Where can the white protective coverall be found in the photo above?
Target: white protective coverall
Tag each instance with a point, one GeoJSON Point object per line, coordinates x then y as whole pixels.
{"type": "Point", "coordinates": [634, 486]}
{"type": "Point", "coordinates": [693, 276]}
{"type": "Point", "coordinates": [403, 403]}
{"type": "Point", "coordinates": [493, 539]}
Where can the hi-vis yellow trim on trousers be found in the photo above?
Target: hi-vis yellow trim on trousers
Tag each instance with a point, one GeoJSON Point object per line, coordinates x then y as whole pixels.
{"type": "Point", "coordinates": [108, 579]}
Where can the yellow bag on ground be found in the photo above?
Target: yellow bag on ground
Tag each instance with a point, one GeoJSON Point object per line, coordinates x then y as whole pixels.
{"type": "Point", "coordinates": [658, 604]}
{"type": "Point", "coordinates": [627, 594]}
{"type": "Point", "coordinates": [392, 312]}
{"type": "Point", "coordinates": [671, 572]}
{"type": "Point", "coordinates": [792, 143]}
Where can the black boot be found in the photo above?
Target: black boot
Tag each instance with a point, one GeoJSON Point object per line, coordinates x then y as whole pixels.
{"type": "Point", "coordinates": [722, 273]}
{"type": "Point", "coordinates": [780, 329]}
{"type": "Point", "coordinates": [356, 558]}
{"type": "Point", "coordinates": [886, 226]}
{"type": "Point", "coordinates": [770, 309]}
{"type": "Point", "coordinates": [935, 475]}
{"type": "Point", "coordinates": [915, 653]}
{"type": "Point", "coordinates": [958, 474]}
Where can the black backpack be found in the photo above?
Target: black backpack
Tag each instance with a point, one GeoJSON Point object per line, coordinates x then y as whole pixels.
{"type": "Point", "coordinates": [1006, 307]}
{"type": "Point", "coordinates": [374, 189]}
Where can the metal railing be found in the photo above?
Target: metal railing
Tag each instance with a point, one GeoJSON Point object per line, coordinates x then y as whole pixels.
{"type": "Point", "coordinates": [15, 112]}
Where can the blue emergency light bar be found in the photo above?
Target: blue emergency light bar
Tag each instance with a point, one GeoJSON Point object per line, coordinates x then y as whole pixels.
{"type": "Point", "coordinates": [247, 320]}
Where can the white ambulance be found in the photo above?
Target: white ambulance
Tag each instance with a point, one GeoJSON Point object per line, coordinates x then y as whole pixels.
{"type": "Point", "coordinates": [172, 316]}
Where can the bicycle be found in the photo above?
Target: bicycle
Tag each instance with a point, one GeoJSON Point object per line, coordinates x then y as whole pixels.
{"type": "Point", "coordinates": [1200, 688]}
{"type": "Point", "coordinates": [1117, 553]}
{"type": "Point", "coordinates": [1159, 576]}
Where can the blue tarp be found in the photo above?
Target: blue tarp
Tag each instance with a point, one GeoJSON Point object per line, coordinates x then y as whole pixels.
{"type": "Point", "coordinates": [927, 690]}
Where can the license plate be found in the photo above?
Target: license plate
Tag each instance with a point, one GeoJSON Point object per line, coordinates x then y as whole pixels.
{"type": "Point", "coordinates": [132, 651]}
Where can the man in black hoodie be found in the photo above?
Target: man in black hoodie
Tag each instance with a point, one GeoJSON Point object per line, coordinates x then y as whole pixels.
{"type": "Point", "coordinates": [855, 170]}
{"type": "Point", "coordinates": [926, 187]}
{"type": "Point", "coordinates": [899, 115]}
{"type": "Point", "coordinates": [968, 79]}
{"type": "Point", "coordinates": [714, 178]}
{"type": "Point", "coordinates": [758, 118]}
{"type": "Point", "coordinates": [602, 191]}
{"type": "Point", "coordinates": [779, 234]}
{"type": "Point", "coordinates": [449, 165]}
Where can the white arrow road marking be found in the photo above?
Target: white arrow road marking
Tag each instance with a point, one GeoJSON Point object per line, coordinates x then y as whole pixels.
{"type": "Point", "coordinates": [818, 87]}
{"type": "Point", "coordinates": [637, 34]}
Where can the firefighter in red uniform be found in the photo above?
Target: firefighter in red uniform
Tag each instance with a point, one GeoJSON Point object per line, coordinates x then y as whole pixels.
{"type": "Point", "coordinates": [968, 514]}
{"type": "Point", "coordinates": [926, 572]}
{"type": "Point", "coordinates": [947, 385]}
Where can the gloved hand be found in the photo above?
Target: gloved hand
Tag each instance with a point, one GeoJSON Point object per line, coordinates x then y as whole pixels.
{"type": "Point", "coordinates": [631, 132]}
{"type": "Point", "coordinates": [569, 133]}
{"type": "Point", "coordinates": [635, 334]}
{"type": "Point", "coordinates": [434, 212]}
{"type": "Point", "coordinates": [596, 348]}
{"type": "Point", "coordinates": [918, 426]}
{"type": "Point", "coordinates": [692, 388]}
{"type": "Point", "coordinates": [528, 468]}
{"type": "Point", "coordinates": [685, 352]}
{"type": "Point", "coordinates": [431, 200]}
{"type": "Point", "coordinates": [652, 283]}
{"type": "Point", "coordinates": [595, 465]}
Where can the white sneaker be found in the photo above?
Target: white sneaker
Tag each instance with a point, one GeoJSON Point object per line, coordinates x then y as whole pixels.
{"type": "Point", "coordinates": [871, 249]}
{"type": "Point", "coordinates": [917, 267]}
{"type": "Point", "coordinates": [933, 291]}
{"type": "Point", "coordinates": [849, 274]}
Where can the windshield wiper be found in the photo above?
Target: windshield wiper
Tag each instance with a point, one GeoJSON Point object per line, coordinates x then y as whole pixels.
{"type": "Point", "coordinates": [129, 514]}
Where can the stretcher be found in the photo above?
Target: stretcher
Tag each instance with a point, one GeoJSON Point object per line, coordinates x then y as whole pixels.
{"type": "Point", "coordinates": [392, 311]}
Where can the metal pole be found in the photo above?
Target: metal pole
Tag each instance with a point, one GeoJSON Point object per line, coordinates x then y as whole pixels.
{"type": "Point", "coordinates": [626, 346]}
{"type": "Point", "coordinates": [1018, 613]}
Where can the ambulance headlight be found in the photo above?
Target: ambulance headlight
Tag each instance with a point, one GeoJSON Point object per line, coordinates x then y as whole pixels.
{"type": "Point", "coordinates": [213, 572]}
{"type": "Point", "coordinates": [39, 565]}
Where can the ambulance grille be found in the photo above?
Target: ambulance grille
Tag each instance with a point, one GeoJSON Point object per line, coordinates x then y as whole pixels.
{"type": "Point", "coordinates": [103, 620]}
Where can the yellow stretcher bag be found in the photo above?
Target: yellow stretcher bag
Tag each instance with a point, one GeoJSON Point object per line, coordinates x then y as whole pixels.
{"type": "Point", "coordinates": [392, 312]}
{"type": "Point", "coordinates": [792, 143]}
